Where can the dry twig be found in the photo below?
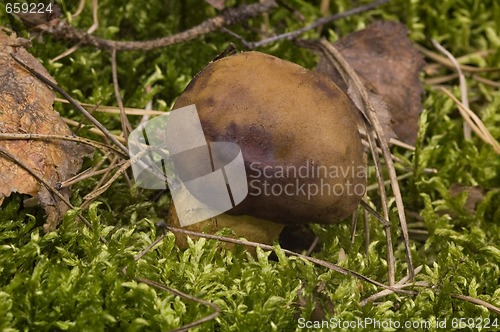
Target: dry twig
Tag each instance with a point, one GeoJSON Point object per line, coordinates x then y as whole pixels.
{"type": "Point", "coordinates": [231, 16]}
{"type": "Point", "coordinates": [318, 23]}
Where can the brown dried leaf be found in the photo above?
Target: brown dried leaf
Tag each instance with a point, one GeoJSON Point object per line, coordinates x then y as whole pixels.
{"type": "Point", "coordinates": [388, 64]}
{"type": "Point", "coordinates": [26, 107]}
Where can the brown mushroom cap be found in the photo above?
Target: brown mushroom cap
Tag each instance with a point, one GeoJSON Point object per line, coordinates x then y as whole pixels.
{"type": "Point", "coordinates": [297, 133]}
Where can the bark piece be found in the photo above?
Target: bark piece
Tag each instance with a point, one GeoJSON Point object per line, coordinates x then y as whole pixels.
{"type": "Point", "coordinates": [26, 107]}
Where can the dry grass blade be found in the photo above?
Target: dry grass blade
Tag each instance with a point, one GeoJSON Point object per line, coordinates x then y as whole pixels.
{"type": "Point", "coordinates": [403, 145]}
{"type": "Point", "coordinates": [391, 262]}
{"type": "Point", "coordinates": [463, 83]}
{"type": "Point", "coordinates": [474, 122]}
{"type": "Point", "coordinates": [135, 159]}
{"type": "Point", "coordinates": [113, 162]}
{"type": "Point", "coordinates": [447, 63]}
{"type": "Point", "coordinates": [388, 182]}
{"type": "Point", "coordinates": [440, 79]}
{"type": "Point", "coordinates": [79, 9]}
{"type": "Point", "coordinates": [369, 112]}
{"type": "Point", "coordinates": [97, 145]}
{"type": "Point", "coordinates": [94, 194]}
{"type": "Point", "coordinates": [94, 130]}
{"type": "Point", "coordinates": [126, 127]}
{"type": "Point", "coordinates": [400, 284]}
{"type": "Point", "coordinates": [486, 81]}
{"type": "Point", "coordinates": [89, 173]}
{"type": "Point", "coordinates": [392, 141]}
{"type": "Point", "coordinates": [374, 213]}
{"type": "Point", "coordinates": [114, 109]}
{"type": "Point", "coordinates": [345, 72]}
{"type": "Point", "coordinates": [367, 230]}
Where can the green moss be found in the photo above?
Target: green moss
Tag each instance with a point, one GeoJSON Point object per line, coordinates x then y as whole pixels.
{"type": "Point", "coordinates": [70, 280]}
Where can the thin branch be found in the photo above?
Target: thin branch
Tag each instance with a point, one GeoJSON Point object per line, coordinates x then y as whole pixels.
{"type": "Point", "coordinates": [320, 22]}
{"type": "Point", "coordinates": [398, 288]}
{"type": "Point", "coordinates": [228, 17]}
{"type": "Point", "coordinates": [37, 177]}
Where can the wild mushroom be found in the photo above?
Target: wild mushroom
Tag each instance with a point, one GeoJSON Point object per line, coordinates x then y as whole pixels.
{"type": "Point", "coordinates": [297, 133]}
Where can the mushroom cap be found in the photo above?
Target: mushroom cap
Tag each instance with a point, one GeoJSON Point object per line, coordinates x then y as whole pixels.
{"type": "Point", "coordinates": [297, 132]}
